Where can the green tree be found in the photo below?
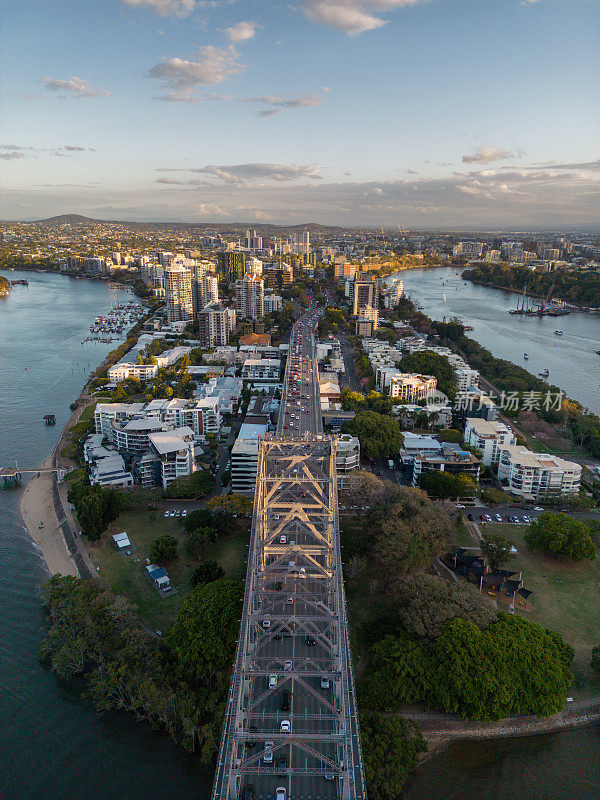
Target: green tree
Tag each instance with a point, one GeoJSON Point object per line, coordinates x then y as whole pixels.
{"type": "Point", "coordinates": [561, 535]}
{"type": "Point", "coordinates": [96, 507]}
{"type": "Point", "coordinates": [379, 434]}
{"type": "Point", "coordinates": [497, 550]}
{"type": "Point", "coordinates": [391, 748]}
{"type": "Point", "coordinates": [199, 540]}
{"type": "Point", "coordinates": [163, 549]}
{"type": "Point", "coordinates": [197, 484]}
{"type": "Point", "coordinates": [444, 484]}
{"type": "Point", "coordinates": [207, 572]}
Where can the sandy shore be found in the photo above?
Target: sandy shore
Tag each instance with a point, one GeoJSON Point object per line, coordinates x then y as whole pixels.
{"type": "Point", "coordinates": [37, 506]}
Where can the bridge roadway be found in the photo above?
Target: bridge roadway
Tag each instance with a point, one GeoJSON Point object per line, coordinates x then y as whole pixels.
{"type": "Point", "coordinates": [293, 658]}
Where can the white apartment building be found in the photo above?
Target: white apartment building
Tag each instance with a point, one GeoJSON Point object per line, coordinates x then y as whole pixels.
{"type": "Point", "coordinates": [244, 458]}
{"type": "Point", "coordinates": [537, 475]}
{"type": "Point", "coordinates": [488, 437]}
{"type": "Point", "coordinates": [128, 367]}
{"type": "Point", "coordinates": [178, 293]}
{"type": "Point", "coordinates": [347, 457]}
{"type": "Point", "coordinates": [405, 385]}
{"type": "Point", "coordinates": [250, 297]}
{"type": "Point", "coordinates": [465, 378]}
{"type": "Point", "coordinates": [174, 450]}
{"type": "Point", "coordinates": [261, 369]}
{"type": "Point", "coordinates": [272, 302]}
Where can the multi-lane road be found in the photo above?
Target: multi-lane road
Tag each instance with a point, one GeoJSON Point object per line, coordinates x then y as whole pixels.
{"type": "Point", "coordinates": [291, 727]}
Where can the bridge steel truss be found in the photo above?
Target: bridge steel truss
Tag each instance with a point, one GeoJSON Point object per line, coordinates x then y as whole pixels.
{"type": "Point", "coordinates": [294, 547]}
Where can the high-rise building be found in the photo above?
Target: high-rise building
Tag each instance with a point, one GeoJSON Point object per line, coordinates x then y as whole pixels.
{"type": "Point", "coordinates": [178, 293]}
{"type": "Point", "coordinates": [302, 242]}
{"type": "Point", "coordinates": [253, 241]}
{"type": "Point", "coordinates": [249, 297]}
{"type": "Point", "coordinates": [365, 293]}
{"type": "Point", "coordinates": [255, 267]}
{"type": "Point", "coordinates": [215, 325]}
{"type": "Point", "coordinates": [231, 265]}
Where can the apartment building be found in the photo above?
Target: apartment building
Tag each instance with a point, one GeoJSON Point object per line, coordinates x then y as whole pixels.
{"type": "Point", "coordinates": [261, 369]}
{"type": "Point", "coordinates": [466, 378]}
{"type": "Point", "coordinates": [215, 323]}
{"type": "Point", "coordinates": [244, 457]}
{"type": "Point", "coordinates": [178, 293]}
{"type": "Point", "coordinates": [426, 453]}
{"type": "Point", "coordinates": [365, 292]}
{"type": "Point", "coordinates": [347, 457]}
{"type": "Point", "coordinates": [408, 386]}
{"type": "Point", "coordinates": [249, 297]}
{"type": "Point", "coordinates": [537, 475]}
{"type": "Point", "coordinates": [272, 302]}
{"type": "Point", "coordinates": [490, 438]}
{"type": "Point", "coordinates": [174, 452]}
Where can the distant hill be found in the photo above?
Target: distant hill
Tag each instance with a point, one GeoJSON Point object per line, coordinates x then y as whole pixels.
{"type": "Point", "coordinates": [67, 219]}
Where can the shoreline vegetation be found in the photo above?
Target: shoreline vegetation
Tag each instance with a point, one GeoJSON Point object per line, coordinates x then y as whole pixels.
{"type": "Point", "coordinates": [579, 289]}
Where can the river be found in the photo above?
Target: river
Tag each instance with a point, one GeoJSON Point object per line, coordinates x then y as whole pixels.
{"type": "Point", "coordinates": [570, 358]}
{"type": "Point", "coordinates": [53, 746]}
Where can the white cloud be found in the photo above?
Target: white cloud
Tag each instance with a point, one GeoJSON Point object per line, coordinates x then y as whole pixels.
{"type": "Point", "coordinates": [212, 65]}
{"type": "Point", "coordinates": [280, 103]}
{"type": "Point", "coordinates": [166, 8]}
{"type": "Point", "coordinates": [352, 16]}
{"type": "Point", "coordinates": [73, 86]}
{"type": "Point", "coordinates": [14, 151]}
{"type": "Point", "coordinates": [242, 31]}
{"type": "Point", "coordinates": [484, 154]}
{"type": "Point", "coordinates": [249, 173]}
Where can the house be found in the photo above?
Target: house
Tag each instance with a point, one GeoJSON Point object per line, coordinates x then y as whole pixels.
{"type": "Point", "coordinates": [159, 577]}
{"type": "Point", "coordinates": [121, 541]}
{"type": "Point", "coordinates": [504, 586]}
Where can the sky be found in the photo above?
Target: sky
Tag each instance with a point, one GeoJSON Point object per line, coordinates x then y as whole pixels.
{"type": "Point", "coordinates": [421, 113]}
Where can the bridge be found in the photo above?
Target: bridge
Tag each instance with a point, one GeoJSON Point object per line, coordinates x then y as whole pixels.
{"type": "Point", "coordinates": [291, 721]}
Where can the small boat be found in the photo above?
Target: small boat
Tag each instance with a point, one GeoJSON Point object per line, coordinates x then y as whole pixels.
{"type": "Point", "coordinates": [544, 373]}
{"type": "Point", "coordinates": [525, 356]}
{"type": "Point", "coordinates": [558, 333]}
{"type": "Point", "coordinates": [598, 352]}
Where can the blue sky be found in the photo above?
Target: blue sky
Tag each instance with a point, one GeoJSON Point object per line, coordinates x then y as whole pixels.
{"type": "Point", "coordinates": [479, 113]}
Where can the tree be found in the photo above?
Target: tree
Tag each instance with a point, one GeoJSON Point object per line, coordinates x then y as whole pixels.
{"type": "Point", "coordinates": [163, 549]}
{"type": "Point", "coordinates": [199, 540]}
{"type": "Point", "coordinates": [379, 434]}
{"type": "Point", "coordinates": [207, 572]}
{"type": "Point", "coordinates": [561, 535]}
{"type": "Point", "coordinates": [201, 518]}
{"type": "Point", "coordinates": [230, 504]}
{"type": "Point", "coordinates": [497, 550]}
{"type": "Point", "coordinates": [203, 636]}
{"type": "Point", "coordinates": [596, 658]}
{"type": "Point", "coordinates": [426, 362]}
{"type": "Point", "coordinates": [197, 484]}
{"type": "Point", "coordinates": [96, 508]}
{"type": "Point", "coordinates": [391, 748]}
{"type": "Point", "coordinates": [443, 484]}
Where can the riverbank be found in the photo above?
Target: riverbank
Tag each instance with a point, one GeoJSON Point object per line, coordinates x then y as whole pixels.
{"type": "Point", "coordinates": [467, 275]}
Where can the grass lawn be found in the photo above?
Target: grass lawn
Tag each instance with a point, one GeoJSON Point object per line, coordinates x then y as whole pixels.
{"type": "Point", "coordinates": [127, 576]}
{"type": "Point", "coordinates": [566, 599]}
{"type": "Point", "coordinates": [462, 537]}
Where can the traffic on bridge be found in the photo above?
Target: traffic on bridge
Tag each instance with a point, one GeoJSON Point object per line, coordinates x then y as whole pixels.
{"type": "Point", "coordinates": [291, 726]}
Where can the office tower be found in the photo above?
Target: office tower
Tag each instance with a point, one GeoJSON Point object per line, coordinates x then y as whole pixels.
{"type": "Point", "coordinates": [178, 293]}
{"type": "Point", "coordinates": [231, 265]}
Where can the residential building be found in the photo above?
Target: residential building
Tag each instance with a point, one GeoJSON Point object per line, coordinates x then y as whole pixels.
{"type": "Point", "coordinates": [347, 457]}
{"type": "Point", "coordinates": [178, 293]}
{"type": "Point", "coordinates": [272, 302]}
{"type": "Point", "coordinates": [249, 297]}
{"type": "Point", "coordinates": [407, 386]}
{"type": "Point", "coordinates": [367, 321]}
{"type": "Point", "coordinates": [244, 458]}
{"type": "Point", "coordinates": [261, 369]}
{"type": "Point", "coordinates": [466, 378]}
{"type": "Point", "coordinates": [231, 265]}
{"type": "Point", "coordinates": [215, 325]}
{"type": "Point", "coordinates": [426, 453]}
{"type": "Point", "coordinates": [174, 450]}
{"type": "Point", "coordinates": [365, 292]}
{"type": "Point", "coordinates": [537, 475]}
{"type": "Point", "coordinates": [490, 438]}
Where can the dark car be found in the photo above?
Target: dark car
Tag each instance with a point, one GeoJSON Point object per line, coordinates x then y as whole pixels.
{"type": "Point", "coordinates": [285, 700]}
{"type": "Point", "coordinates": [471, 517]}
{"type": "Point", "coordinates": [252, 742]}
{"type": "Point", "coordinates": [311, 641]}
{"type": "Point", "coordinates": [281, 766]}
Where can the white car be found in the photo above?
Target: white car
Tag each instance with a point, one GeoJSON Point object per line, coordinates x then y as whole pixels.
{"type": "Point", "coordinates": [290, 600]}
{"type": "Point", "coordinates": [286, 726]}
{"type": "Point", "coordinates": [324, 682]}
{"type": "Point", "coordinates": [272, 681]}
{"type": "Point", "coordinates": [538, 508]}
{"type": "Point", "coordinates": [266, 623]}
{"type": "Point", "coordinates": [268, 754]}
{"type": "Point", "coordinates": [287, 665]}
{"type": "Point", "coordinates": [280, 793]}
{"type": "Point", "coordinates": [283, 539]}
{"type": "Point", "coordinates": [167, 513]}
{"type": "Point", "coordinates": [184, 512]}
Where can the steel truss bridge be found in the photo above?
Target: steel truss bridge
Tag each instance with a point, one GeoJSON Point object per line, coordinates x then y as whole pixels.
{"type": "Point", "coordinates": [291, 719]}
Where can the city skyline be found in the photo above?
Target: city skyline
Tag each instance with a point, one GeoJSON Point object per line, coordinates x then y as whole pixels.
{"type": "Point", "coordinates": [340, 111]}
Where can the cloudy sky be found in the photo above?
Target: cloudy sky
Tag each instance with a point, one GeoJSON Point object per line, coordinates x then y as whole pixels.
{"type": "Point", "coordinates": [427, 113]}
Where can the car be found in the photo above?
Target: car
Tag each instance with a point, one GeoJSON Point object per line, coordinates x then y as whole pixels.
{"type": "Point", "coordinates": [285, 699]}
{"type": "Point", "coordinates": [499, 517]}
{"type": "Point", "coordinates": [459, 505]}
{"type": "Point", "coordinates": [184, 512]}
{"type": "Point", "coordinates": [280, 793]}
{"type": "Point", "coordinates": [279, 586]}
{"type": "Point", "coordinates": [526, 519]}
{"type": "Point", "coordinates": [287, 665]}
{"type": "Point", "coordinates": [281, 766]}
{"type": "Point", "coordinates": [311, 641]}
{"type": "Point", "coordinates": [167, 513]}
{"type": "Point", "coordinates": [488, 518]}
{"type": "Point", "coordinates": [283, 539]}
{"type": "Point", "coordinates": [272, 680]}
{"type": "Point", "coordinates": [290, 600]}
{"type": "Point", "coordinates": [285, 726]}
{"type": "Point", "coordinates": [268, 754]}
{"type": "Point", "coordinates": [471, 517]}
{"type": "Point", "coordinates": [266, 623]}
{"type": "Point", "coordinates": [324, 682]}
{"type": "Point", "coordinates": [517, 520]}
